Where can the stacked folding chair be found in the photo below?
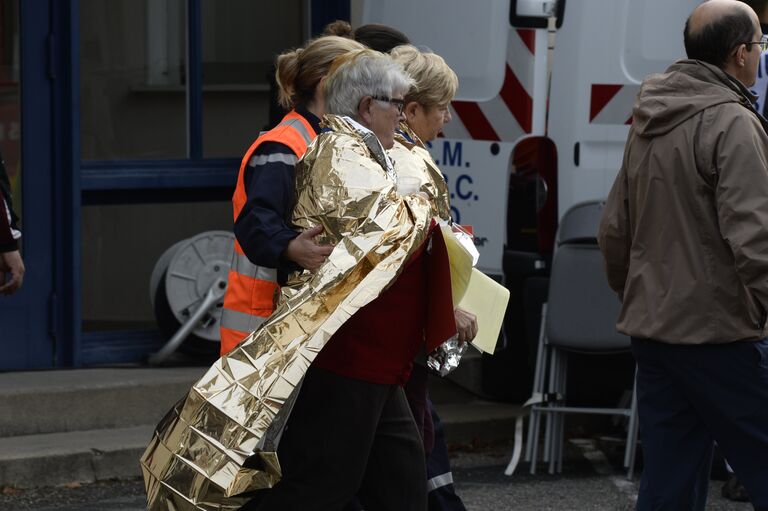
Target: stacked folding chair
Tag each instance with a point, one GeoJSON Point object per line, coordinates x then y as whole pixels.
{"type": "Point", "coordinates": [579, 316]}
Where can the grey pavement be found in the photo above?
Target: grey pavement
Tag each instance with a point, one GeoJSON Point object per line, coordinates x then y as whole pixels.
{"type": "Point", "coordinates": [39, 402]}
{"type": "Point", "coordinates": [92, 425]}
{"type": "Point", "coordinates": [584, 486]}
{"type": "Point", "coordinates": [70, 441]}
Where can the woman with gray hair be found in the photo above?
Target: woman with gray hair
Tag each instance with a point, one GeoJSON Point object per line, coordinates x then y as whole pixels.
{"type": "Point", "coordinates": [351, 432]}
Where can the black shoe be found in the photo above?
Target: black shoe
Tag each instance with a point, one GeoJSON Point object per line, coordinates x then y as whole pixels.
{"type": "Point", "coordinates": [734, 490]}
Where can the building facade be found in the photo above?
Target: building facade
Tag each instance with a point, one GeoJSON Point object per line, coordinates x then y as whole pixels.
{"type": "Point", "coordinates": [122, 123]}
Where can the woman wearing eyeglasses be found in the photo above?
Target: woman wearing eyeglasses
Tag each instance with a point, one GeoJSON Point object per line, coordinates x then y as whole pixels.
{"type": "Point", "coordinates": [426, 112]}
{"type": "Point", "coordinates": [351, 432]}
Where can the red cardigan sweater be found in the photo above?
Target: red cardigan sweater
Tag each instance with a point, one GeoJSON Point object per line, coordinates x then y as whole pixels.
{"type": "Point", "coordinates": [380, 341]}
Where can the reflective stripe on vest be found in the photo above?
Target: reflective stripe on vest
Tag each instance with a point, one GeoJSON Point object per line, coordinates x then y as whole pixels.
{"type": "Point", "coordinates": [241, 322]}
{"type": "Point", "coordinates": [263, 159]}
{"type": "Point", "coordinates": [242, 265]}
{"type": "Point", "coordinates": [302, 126]}
{"type": "Point", "coordinates": [252, 289]}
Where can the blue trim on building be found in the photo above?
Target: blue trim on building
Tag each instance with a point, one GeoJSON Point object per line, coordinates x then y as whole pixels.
{"type": "Point", "coordinates": [66, 125]}
{"type": "Point", "coordinates": [120, 347]}
{"type": "Point", "coordinates": [134, 175]}
{"type": "Point", "coordinates": [26, 322]}
{"type": "Point", "coordinates": [156, 196]}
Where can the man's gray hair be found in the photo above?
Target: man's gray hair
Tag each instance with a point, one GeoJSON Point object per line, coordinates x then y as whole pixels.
{"type": "Point", "coordinates": [367, 73]}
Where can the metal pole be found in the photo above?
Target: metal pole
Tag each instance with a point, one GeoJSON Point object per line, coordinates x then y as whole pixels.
{"type": "Point", "coordinates": [215, 293]}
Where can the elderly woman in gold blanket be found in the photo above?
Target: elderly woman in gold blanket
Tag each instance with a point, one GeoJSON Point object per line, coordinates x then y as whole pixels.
{"type": "Point", "coordinates": [426, 111]}
{"type": "Point", "coordinates": [346, 335]}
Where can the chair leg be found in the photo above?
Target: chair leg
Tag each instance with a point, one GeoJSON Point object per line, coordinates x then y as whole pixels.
{"type": "Point", "coordinates": [542, 414]}
{"type": "Point", "coordinates": [530, 439]}
{"type": "Point", "coordinates": [547, 454]}
{"type": "Point", "coordinates": [559, 388]}
{"type": "Point", "coordinates": [561, 437]}
{"type": "Point", "coordinates": [536, 416]}
{"type": "Point", "coordinates": [538, 383]}
{"type": "Point", "coordinates": [551, 360]}
{"type": "Point", "coordinates": [551, 435]}
{"type": "Point", "coordinates": [562, 384]}
{"type": "Point", "coordinates": [534, 435]}
{"type": "Point", "coordinates": [632, 432]}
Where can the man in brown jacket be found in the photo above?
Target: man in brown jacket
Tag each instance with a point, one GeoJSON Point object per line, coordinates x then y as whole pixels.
{"type": "Point", "coordinates": [685, 240]}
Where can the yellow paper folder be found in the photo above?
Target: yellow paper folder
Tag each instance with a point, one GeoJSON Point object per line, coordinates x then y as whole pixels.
{"type": "Point", "coordinates": [461, 265]}
{"type": "Point", "coordinates": [486, 299]}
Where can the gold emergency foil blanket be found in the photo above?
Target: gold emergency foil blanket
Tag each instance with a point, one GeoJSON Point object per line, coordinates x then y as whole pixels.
{"type": "Point", "coordinates": [412, 159]}
{"type": "Point", "coordinates": [220, 440]}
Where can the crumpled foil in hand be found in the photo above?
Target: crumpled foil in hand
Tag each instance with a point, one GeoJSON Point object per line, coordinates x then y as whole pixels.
{"type": "Point", "coordinates": [447, 356]}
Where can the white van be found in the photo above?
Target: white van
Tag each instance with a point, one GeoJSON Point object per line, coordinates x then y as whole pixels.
{"type": "Point", "coordinates": [514, 166]}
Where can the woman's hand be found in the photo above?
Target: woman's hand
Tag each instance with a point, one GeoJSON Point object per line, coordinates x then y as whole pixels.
{"type": "Point", "coordinates": [466, 325]}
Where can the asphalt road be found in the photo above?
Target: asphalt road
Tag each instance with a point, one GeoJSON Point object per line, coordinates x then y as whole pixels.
{"type": "Point", "coordinates": [592, 480]}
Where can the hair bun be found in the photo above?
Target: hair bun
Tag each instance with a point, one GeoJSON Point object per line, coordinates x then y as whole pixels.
{"type": "Point", "coordinates": [339, 28]}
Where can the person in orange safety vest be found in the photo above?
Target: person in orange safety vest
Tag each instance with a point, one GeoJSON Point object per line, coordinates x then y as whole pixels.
{"type": "Point", "coordinates": [267, 249]}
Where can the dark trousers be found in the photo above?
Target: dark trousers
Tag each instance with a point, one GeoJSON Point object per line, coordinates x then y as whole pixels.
{"type": "Point", "coordinates": [441, 493]}
{"type": "Point", "coordinates": [688, 398]}
{"type": "Point", "coordinates": [347, 437]}
{"type": "Point", "coordinates": [418, 400]}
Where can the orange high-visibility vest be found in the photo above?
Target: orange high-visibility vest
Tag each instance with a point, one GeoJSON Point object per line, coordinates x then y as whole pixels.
{"type": "Point", "coordinates": [251, 290]}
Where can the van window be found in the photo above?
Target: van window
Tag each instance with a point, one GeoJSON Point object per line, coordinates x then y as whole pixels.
{"type": "Point", "coordinates": [470, 36]}
{"type": "Point", "coordinates": [654, 35]}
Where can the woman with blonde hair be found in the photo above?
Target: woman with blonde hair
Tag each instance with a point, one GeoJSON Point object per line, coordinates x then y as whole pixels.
{"type": "Point", "coordinates": [427, 103]}
{"type": "Point", "coordinates": [426, 110]}
{"type": "Point", "coordinates": [267, 249]}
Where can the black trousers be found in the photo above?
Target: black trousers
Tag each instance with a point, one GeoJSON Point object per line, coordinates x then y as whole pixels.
{"type": "Point", "coordinates": [348, 438]}
{"type": "Point", "coordinates": [689, 397]}
{"type": "Point", "coordinates": [441, 494]}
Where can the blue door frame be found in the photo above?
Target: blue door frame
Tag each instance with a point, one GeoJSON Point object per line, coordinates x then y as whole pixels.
{"type": "Point", "coordinates": [33, 334]}
{"type": "Point", "coordinates": [66, 126]}
{"type": "Point", "coordinates": [40, 327]}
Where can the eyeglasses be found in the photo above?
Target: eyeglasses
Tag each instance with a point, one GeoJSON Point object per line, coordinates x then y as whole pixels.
{"type": "Point", "coordinates": [763, 42]}
{"type": "Point", "coordinates": [399, 103]}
